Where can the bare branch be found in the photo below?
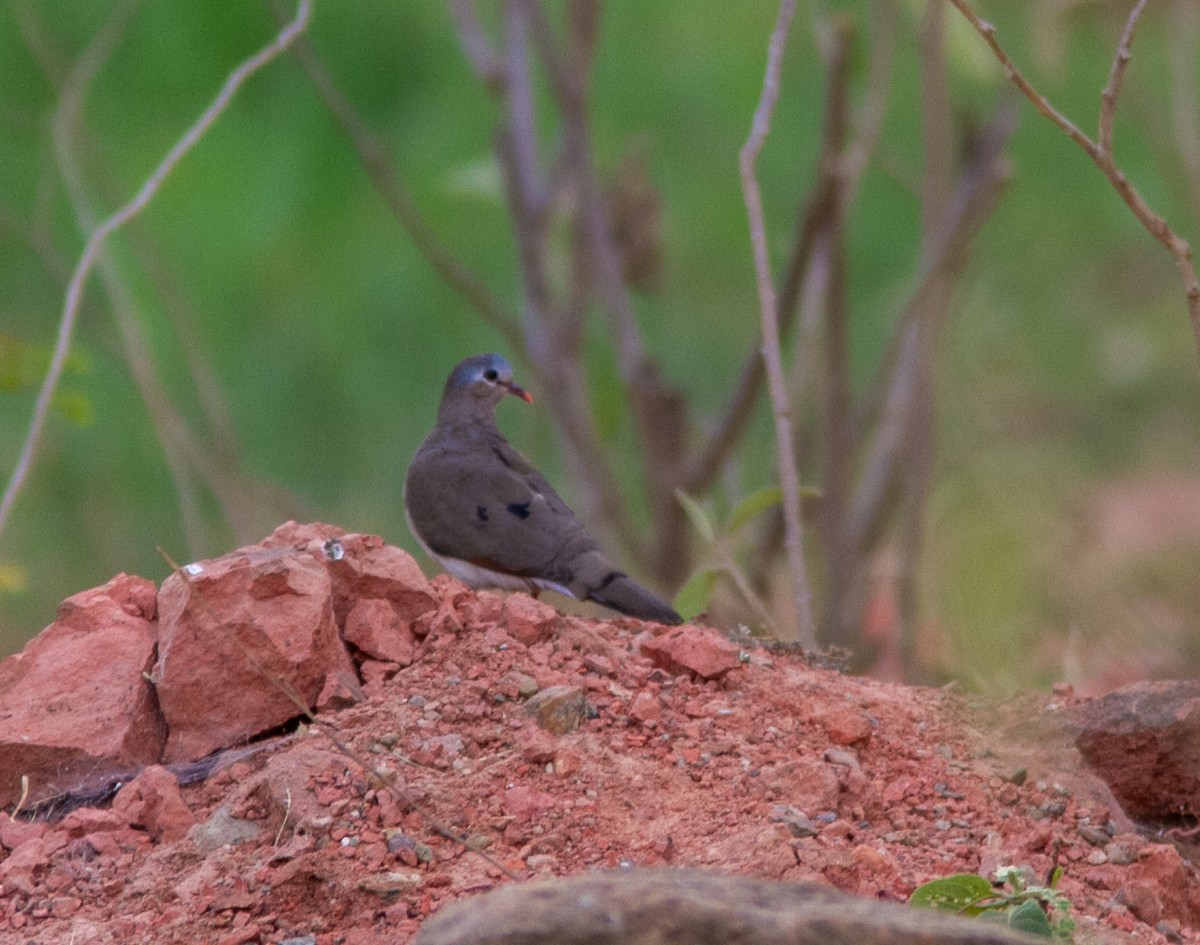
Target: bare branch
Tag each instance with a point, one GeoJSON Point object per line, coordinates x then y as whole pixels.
{"type": "Point", "coordinates": [1116, 76]}
{"type": "Point", "coordinates": [1154, 224]}
{"type": "Point", "coordinates": [839, 176]}
{"type": "Point", "coordinates": [547, 334]}
{"type": "Point", "coordinates": [475, 45]}
{"type": "Point", "coordinates": [789, 480]}
{"type": "Point", "coordinates": [381, 169]}
{"type": "Point", "coordinates": [887, 403]}
{"type": "Point", "coordinates": [118, 219]}
{"type": "Point", "coordinates": [837, 430]}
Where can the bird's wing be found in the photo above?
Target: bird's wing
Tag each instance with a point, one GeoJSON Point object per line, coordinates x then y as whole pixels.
{"type": "Point", "coordinates": [489, 506]}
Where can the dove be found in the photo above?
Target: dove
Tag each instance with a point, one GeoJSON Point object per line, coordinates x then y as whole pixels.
{"type": "Point", "coordinates": [491, 519]}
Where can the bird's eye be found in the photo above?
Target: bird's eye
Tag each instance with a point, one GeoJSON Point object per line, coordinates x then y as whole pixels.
{"type": "Point", "coordinates": [490, 374]}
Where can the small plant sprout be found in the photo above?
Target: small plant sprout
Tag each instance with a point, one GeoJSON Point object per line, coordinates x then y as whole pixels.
{"type": "Point", "coordinates": [1012, 900]}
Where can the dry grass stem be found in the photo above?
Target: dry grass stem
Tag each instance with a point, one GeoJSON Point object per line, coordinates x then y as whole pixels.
{"type": "Point", "coordinates": [95, 243]}
{"type": "Point", "coordinates": [1100, 152]}
{"type": "Point", "coordinates": [789, 479]}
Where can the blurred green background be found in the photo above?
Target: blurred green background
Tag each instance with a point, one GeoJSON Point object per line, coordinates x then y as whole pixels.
{"type": "Point", "coordinates": [1064, 530]}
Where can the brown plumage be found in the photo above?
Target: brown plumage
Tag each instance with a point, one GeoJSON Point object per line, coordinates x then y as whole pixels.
{"type": "Point", "coordinates": [491, 519]}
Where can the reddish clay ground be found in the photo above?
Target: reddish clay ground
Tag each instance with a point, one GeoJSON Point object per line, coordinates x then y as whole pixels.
{"type": "Point", "coordinates": [776, 769]}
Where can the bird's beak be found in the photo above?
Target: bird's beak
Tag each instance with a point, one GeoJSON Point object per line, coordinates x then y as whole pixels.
{"type": "Point", "coordinates": [519, 392]}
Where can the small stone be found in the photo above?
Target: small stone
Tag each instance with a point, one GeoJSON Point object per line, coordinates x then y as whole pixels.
{"type": "Point", "coordinates": [559, 709]}
{"type": "Point", "coordinates": [542, 862]}
{"type": "Point", "coordinates": [795, 820]}
{"type": "Point", "coordinates": [1142, 900]}
{"type": "Point", "coordinates": [63, 906]}
{"type": "Point", "coordinates": [1121, 854]}
{"type": "Point", "coordinates": [1018, 777]}
{"type": "Point", "coordinates": [526, 803]}
{"type": "Point", "coordinates": [388, 884]}
{"type": "Point", "coordinates": [645, 708]}
{"type": "Point", "coordinates": [693, 649]}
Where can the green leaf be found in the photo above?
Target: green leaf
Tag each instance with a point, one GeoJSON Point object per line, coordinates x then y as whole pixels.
{"type": "Point", "coordinates": [73, 405]}
{"type": "Point", "coordinates": [700, 520]}
{"type": "Point", "coordinates": [694, 596]}
{"type": "Point", "coordinates": [952, 893]}
{"type": "Point", "coordinates": [752, 505]}
{"type": "Point", "coordinates": [1029, 916]}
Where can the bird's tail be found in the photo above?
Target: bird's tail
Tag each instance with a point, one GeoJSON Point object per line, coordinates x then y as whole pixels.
{"type": "Point", "coordinates": [627, 596]}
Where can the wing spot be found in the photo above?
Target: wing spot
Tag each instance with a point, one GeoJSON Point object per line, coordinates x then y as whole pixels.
{"type": "Point", "coordinates": [519, 509]}
{"type": "Point", "coordinates": [481, 513]}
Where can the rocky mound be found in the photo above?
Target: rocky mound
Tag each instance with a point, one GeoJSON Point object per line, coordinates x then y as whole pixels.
{"type": "Point", "coordinates": [463, 740]}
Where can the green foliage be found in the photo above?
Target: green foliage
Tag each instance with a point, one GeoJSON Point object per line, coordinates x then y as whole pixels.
{"type": "Point", "coordinates": [22, 367]}
{"type": "Point", "coordinates": [1040, 910]}
{"type": "Point", "coordinates": [720, 542]}
{"type": "Point", "coordinates": [696, 592]}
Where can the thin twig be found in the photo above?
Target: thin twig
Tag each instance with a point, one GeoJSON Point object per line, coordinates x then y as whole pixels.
{"type": "Point", "coordinates": [837, 430]}
{"type": "Point", "coordinates": [834, 192]}
{"type": "Point", "coordinates": [174, 433]}
{"type": "Point", "coordinates": [381, 169]}
{"type": "Point", "coordinates": [546, 338]}
{"type": "Point", "coordinates": [919, 448]}
{"type": "Point", "coordinates": [166, 421]}
{"type": "Point", "coordinates": [887, 404]}
{"type": "Point", "coordinates": [1154, 224]}
{"type": "Point", "coordinates": [789, 479]}
{"type": "Point", "coordinates": [1116, 77]}
{"type": "Point", "coordinates": [118, 219]}
{"type": "Point", "coordinates": [476, 47]}
{"type": "Point", "coordinates": [658, 411]}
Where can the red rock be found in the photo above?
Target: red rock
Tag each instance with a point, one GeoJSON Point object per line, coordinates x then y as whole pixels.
{"type": "Point", "coordinates": [15, 832]}
{"type": "Point", "coordinates": [339, 691]}
{"type": "Point", "coordinates": [1142, 900]}
{"type": "Point", "coordinates": [375, 627]}
{"type": "Point", "coordinates": [241, 638]}
{"type": "Point", "coordinates": [567, 762]}
{"type": "Point", "coordinates": [152, 800]}
{"type": "Point", "coordinates": [375, 673]}
{"type": "Point", "coordinates": [370, 568]}
{"type": "Point", "coordinates": [303, 535]}
{"type": "Point", "coordinates": [525, 803]}
{"type": "Point", "coordinates": [537, 747]}
{"type": "Point", "coordinates": [845, 725]}
{"type": "Point", "coordinates": [242, 936]}
{"type": "Point", "coordinates": [812, 786]}
{"type": "Point", "coordinates": [1161, 866]}
{"type": "Point", "coordinates": [92, 820]}
{"type": "Point", "coordinates": [75, 708]}
{"type": "Point", "coordinates": [528, 620]}
{"type": "Point", "coordinates": [645, 708]}
{"type": "Point", "coordinates": [63, 906]}
{"type": "Point", "coordinates": [693, 649]}
{"type": "Point", "coordinates": [1144, 741]}
{"type": "Point", "coordinates": [18, 869]}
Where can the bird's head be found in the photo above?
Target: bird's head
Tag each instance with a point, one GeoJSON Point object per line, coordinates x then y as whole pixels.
{"type": "Point", "coordinates": [484, 380]}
